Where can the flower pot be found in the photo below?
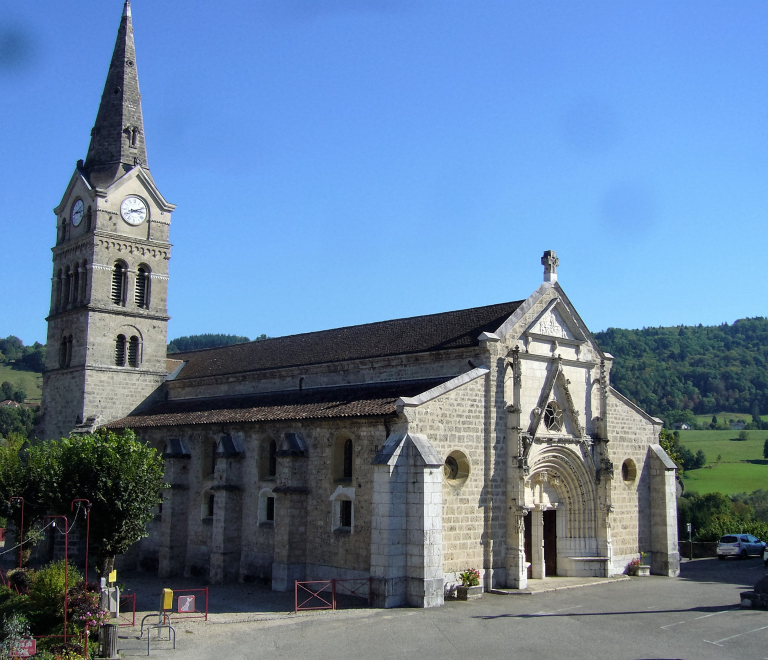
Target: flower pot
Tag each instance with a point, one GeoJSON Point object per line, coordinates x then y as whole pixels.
{"type": "Point", "coordinates": [643, 571]}
{"type": "Point", "coordinates": [469, 593]}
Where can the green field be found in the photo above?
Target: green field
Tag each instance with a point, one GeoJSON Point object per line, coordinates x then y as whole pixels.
{"type": "Point", "coordinates": [29, 381]}
{"type": "Point", "coordinates": [734, 474]}
{"type": "Point", "coordinates": [744, 417]}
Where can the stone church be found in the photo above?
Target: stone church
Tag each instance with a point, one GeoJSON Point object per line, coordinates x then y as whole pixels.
{"type": "Point", "coordinates": [404, 451]}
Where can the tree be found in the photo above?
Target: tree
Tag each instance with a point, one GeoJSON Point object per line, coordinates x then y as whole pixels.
{"type": "Point", "coordinates": [765, 448]}
{"type": "Point", "coordinates": [31, 472]}
{"type": "Point", "coordinates": [16, 420]}
{"type": "Point", "coordinates": [123, 479]}
{"type": "Point", "coordinates": [6, 390]}
{"type": "Point", "coordinates": [19, 396]}
{"type": "Point", "coordinates": [743, 436]}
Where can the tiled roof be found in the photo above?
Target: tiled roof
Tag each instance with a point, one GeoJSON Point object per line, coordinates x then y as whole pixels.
{"type": "Point", "coordinates": [375, 400]}
{"type": "Point", "coordinates": [418, 334]}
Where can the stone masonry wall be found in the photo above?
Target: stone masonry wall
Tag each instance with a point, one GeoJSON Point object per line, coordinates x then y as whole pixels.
{"type": "Point", "coordinates": [456, 422]}
{"type": "Point", "coordinates": [629, 435]}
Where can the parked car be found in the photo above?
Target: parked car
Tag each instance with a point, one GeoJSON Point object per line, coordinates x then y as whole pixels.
{"type": "Point", "coordinates": [765, 555]}
{"type": "Point", "coordinates": [740, 545]}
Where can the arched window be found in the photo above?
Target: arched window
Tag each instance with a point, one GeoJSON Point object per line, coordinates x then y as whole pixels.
{"type": "Point", "coordinates": [63, 352]}
{"type": "Point", "coordinates": [83, 282]}
{"type": "Point", "coordinates": [348, 458]}
{"type": "Point", "coordinates": [208, 503]}
{"type": "Point", "coordinates": [88, 219]}
{"type": "Point", "coordinates": [75, 285]}
{"type": "Point", "coordinates": [59, 284]}
{"type": "Point", "coordinates": [118, 283]}
{"type": "Point", "coordinates": [343, 510]}
{"type": "Point", "coordinates": [134, 353]}
{"type": "Point", "coordinates": [141, 296]}
{"type": "Point", "coordinates": [343, 459]}
{"type": "Point", "coordinates": [69, 351]}
{"type": "Point", "coordinates": [67, 289]}
{"type": "Point", "coordinates": [120, 351]}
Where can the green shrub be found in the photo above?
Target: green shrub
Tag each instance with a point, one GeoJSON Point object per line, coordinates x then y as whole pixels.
{"type": "Point", "coordinates": [46, 595]}
{"type": "Point", "coordinates": [723, 525]}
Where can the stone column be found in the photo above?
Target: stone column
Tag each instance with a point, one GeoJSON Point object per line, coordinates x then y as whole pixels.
{"type": "Point", "coordinates": [665, 556]}
{"type": "Point", "coordinates": [537, 545]}
{"type": "Point", "coordinates": [406, 534]}
{"type": "Point", "coordinates": [226, 537]}
{"type": "Point", "coordinates": [291, 495]}
{"type": "Point", "coordinates": [174, 523]}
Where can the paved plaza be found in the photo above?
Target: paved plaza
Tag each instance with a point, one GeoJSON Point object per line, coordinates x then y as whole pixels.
{"type": "Point", "coordinates": [694, 616]}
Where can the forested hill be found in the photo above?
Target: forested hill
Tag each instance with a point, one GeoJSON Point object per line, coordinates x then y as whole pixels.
{"type": "Point", "coordinates": [196, 342]}
{"type": "Point", "coordinates": [704, 369]}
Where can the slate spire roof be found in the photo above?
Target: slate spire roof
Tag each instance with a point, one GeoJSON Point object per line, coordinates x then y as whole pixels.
{"type": "Point", "coordinates": [117, 139]}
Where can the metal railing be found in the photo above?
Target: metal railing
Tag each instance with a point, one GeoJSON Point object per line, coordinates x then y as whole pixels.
{"type": "Point", "coordinates": [322, 594]}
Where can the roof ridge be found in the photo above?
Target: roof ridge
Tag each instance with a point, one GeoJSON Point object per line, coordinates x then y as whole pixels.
{"type": "Point", "coordinates": [344, 327]}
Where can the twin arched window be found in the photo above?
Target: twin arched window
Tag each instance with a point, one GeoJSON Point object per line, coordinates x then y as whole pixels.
{"type": "Point", "coordinates": [127, 351]}
{"type": "Point", "coordinates": [70, 286]}
{"type": "Point", "coordinates": [120, 285]}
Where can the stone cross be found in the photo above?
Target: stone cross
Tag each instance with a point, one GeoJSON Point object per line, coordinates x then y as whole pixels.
{"type": "Point", "coordinates": [550, 263]}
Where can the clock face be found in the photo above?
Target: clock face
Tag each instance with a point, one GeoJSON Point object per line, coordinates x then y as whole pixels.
{"type": "Point", "coordinates": [76, 215]}
{"type": "Point", "coordinates": [133, 210]}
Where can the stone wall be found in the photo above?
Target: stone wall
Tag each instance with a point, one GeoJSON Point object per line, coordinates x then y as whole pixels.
{"type": "Point", "coordinates": [630, 432]}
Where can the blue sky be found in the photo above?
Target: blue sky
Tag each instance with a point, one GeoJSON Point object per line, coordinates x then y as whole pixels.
{"type": "Point", "coordinates": [343, 161]}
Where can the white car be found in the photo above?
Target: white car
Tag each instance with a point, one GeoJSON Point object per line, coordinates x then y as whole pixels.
{"type": "Point", "coordinates": [739, 545]}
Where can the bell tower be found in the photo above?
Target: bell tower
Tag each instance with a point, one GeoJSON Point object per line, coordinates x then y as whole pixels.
{"type": "Point", "coordinates": [107, 326]}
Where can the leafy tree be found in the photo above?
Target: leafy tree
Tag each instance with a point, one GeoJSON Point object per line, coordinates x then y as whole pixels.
{"type": "Point", "coordinates": [19, 396]}
{"type": "Point", "coordinates": [123, 479]}
{"type": "Point", "coordinates": [34, 358]}
{"type": "Point", "coordinates": [743, 436]}
{"type": "Point", "coordinates": [670, 443]}
{"type": "Point", "coordinates": [6, 390]}
{"type": "Point", "coordinates": [198, 342]}
{"type": "Point", "coordinates": [16, 420]}
{"type": "Point", "coordinates": [30, 472]}
{"type": "Point", "coordinates": [765, 448]}
{"type": "Point", "coordinates": [12, 347]}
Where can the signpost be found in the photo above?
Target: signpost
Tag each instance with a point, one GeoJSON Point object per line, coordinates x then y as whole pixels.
{"type": "Point", "coordinates": [690, 542]}
{"type": "Point", "coordinates": [26, 647]}
{"type": "Point", "coordinates": [186, 604]}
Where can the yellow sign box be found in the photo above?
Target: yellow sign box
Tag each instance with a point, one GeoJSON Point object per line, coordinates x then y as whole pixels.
{"type": "Point", "coordinates": [113, 576]}
{"type": "Point", "coordinates": [167, 599]}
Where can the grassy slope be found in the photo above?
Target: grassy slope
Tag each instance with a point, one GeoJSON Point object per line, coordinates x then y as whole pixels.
{"type": "Point", "coordinates": [706, 419]}
{"type": "Point", "coordinates": [733, 475]}
{"type": "Point", "coordinates": [29, 381]}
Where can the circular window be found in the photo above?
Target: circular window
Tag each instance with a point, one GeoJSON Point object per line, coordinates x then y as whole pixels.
{"type": "Point", "coordinates": [456, 468]}
{"type": "Point", "coordinates": [553, 416]}
{"type": "Point", "coordinates": [628, 470]}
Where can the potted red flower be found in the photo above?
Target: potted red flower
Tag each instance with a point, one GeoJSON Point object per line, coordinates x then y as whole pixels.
{"type": "Point", "coordinates": [470, 587]}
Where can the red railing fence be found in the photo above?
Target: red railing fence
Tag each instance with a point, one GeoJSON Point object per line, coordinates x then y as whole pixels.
{"type": "Point", "coordinates": [190, 603]}
{"type": "Point", "coordinates": [127, 610]}
{"type": "Point", "coordinates": [321, 594]}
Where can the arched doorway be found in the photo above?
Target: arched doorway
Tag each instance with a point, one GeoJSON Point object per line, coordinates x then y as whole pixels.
{"type": "Point", "coordinates": [561, 499]}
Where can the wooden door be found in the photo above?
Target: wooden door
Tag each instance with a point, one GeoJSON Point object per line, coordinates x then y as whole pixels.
{"type": "Point", "coordinates": [550, 542]}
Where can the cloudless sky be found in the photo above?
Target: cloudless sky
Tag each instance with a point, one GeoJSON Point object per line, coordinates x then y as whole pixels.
{"type": "Point", "coordinates": [337, 162]}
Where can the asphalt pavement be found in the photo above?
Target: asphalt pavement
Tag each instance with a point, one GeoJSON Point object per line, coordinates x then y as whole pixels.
{"type": "Point", "coordinates": [695, 616]}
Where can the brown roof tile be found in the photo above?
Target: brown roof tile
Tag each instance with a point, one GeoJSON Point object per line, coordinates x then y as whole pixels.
{"type": "Point", "coordinates": [376, 400]}
{"type": "Point", "coordinates": [418, 334]}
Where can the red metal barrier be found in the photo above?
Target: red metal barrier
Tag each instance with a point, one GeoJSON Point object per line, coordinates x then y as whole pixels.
{"type": "Point", "coordinates": [321, 594]}
{"type": "Point", "coordinates": [126, 602]}
{"type": "Point", "coordinates": [316, 596]}
{"type": "Point", "coordinates": [357, 587]}
{"type": "Point", "coordinates": [190, 609]}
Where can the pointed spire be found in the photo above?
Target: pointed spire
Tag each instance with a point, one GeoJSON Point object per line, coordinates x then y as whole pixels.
{"type": "Point", "coordinates": [117, 138]}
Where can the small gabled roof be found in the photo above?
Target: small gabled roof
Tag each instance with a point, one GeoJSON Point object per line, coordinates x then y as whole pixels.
{"type": "Point", "coordinates": [417, 334]}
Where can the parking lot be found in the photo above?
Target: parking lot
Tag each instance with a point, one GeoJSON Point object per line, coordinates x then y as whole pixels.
{"type": "Point", "coordinates": [694, 616]}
